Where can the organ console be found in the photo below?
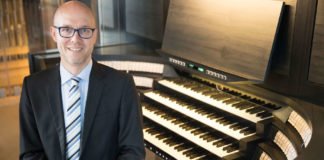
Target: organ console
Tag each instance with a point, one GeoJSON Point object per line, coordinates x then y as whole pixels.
{"type": "Point", "coordinates": [202, 106]}
{"type": "Point", "coordinates": [224, 122]}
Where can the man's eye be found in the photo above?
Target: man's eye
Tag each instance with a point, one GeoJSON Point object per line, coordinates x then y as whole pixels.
{"type": "Point", "coordinates": [67, 30]}
{"type": "Point", "coordinates": [84, 30]}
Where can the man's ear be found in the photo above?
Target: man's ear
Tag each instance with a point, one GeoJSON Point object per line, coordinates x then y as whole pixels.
{"type": "Point", "coordinates": [53, 33]}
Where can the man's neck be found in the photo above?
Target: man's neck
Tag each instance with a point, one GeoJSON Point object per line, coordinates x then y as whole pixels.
{"type": "Point", "coordinates": [74, 69]}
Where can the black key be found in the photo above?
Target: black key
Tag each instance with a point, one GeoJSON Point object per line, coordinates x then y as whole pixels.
{"type": "Point", "coordinates": [197, 132]}
{"type": "Point", "coordinates": [264, 114]}
{"type": "Point", "coordinates": [209, 157]}
{"type": "Point", "coordinates": [232, 101]}
{"type": "Point", "coordinates": [232, 147]}
{"type": "Point", "coordinates": [220, 143]}
{"type": "Point", "coordinates": [243, 105]}
{"type": "Point", "coordinates": [255, 110]}
{"type": "Point", "coordinates": [271, 106]}
{"type": "Point", "coordinates": [257, 101]}
{"type": "Point", "coordinates": [183, 147]}
{"type": "Point", "coordinates": [237, 126]}
{"type": "Point", "coordinates": [247, 131]}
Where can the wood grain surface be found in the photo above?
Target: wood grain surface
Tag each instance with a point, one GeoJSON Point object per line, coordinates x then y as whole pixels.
{"type": "Point", "coordinates": [12, 73]}
{"type": "Point", "coordinates": [228, 35]}
{"type": "Point", "coordinates": [145, 18]}
{"type": "Point", "coordinates": [316, 68]}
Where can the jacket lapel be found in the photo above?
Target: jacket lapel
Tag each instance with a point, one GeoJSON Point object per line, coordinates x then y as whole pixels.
{"type": "Point", "coordinates": [94, 94]}
{"type": "Point", "coordinates": [55, 102]}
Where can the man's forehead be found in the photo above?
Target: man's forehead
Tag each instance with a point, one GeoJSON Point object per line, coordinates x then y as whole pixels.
{"type": "Point", "coordinates": [74, 18]}
{"type": "Point", "coordinates": [74, 6]}
{"type": "Point", "coordinates": [74, 11]}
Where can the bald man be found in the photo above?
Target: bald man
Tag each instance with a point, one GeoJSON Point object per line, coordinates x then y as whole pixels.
{"type": "Point", "coordinates": [79, 109]}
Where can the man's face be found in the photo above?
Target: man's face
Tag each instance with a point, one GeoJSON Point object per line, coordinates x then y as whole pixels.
{"type": "Point", "coordinates": [75, 51]}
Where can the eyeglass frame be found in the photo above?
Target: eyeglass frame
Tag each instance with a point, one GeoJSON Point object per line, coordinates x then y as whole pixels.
{"type": "Point", "coordinates": [75, 30]}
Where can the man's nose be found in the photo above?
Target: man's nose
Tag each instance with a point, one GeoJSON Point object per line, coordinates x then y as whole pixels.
{"type": "Point", "coordinates": [76, 37]}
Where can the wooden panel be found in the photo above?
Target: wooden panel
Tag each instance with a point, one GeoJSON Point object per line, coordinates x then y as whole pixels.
{"type": "Point", "coordinates": [145, 18]}
{"type": "Point", "coordinates": [14, 50]}
{"type": "Point", "coordinates": [316, 70]}
{"type": "Point", "coordinates": [281, 60]}
{"type": "Point", "coordinates": [34, 26]}
{"type": "Point", "coordinates": [3, 41]}
{"type": "Point", "coordinates": [301, 54]}
{"type": "Point", "coordinates": [228, 35]}
{"type": "Point", "coordinates": [13, 72]}
{"type": "Point", "coordinates": [48, 8]}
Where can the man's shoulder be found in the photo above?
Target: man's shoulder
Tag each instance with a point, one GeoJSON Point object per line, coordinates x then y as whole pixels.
{"type": "Point", "coordinates": [42, 75]}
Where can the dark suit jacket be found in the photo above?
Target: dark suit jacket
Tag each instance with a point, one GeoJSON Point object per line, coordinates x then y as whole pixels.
{"type": "Point", "coordinates": [112, 126]}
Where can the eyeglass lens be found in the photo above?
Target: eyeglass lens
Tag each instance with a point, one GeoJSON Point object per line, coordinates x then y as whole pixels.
{"type": "Point", "coordinates": [68, 32]}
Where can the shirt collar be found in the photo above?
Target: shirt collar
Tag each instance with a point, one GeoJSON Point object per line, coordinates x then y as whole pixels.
{"type": "Point", "coordinates": [83, 75]}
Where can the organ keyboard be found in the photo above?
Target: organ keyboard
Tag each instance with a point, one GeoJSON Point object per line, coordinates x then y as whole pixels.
{"type": "Point", "coordinates": [218, 99]}
{"type": "Point", "coordinates": [217, 120]}
{"type": "Point", "coordinates": [173, 144]}
{"type": "Point", "coordinates": [209, 139]}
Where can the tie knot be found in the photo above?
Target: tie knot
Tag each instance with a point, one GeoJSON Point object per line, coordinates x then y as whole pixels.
{"type": "Point", "coordinates": [75, 81]}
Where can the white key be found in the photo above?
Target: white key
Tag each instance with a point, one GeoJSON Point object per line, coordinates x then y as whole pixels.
{"type": "Point", "coordinates": [211, 101]}
{"type": "Point", "coordinates": [194, 115]}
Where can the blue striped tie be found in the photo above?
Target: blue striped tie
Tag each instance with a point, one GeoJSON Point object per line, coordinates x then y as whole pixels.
{"type": "Point", "coordinates": [73, 121]}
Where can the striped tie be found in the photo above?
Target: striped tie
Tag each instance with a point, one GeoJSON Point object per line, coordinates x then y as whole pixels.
{"type": "Point", "coordinates": [73, 121]}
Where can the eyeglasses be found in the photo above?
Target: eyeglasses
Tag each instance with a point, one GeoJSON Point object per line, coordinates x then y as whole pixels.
{"type": "Point", "coordinates": [68, 32]}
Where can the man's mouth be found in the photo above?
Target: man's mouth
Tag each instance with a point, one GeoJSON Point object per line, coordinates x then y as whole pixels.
{"type": "Point", "coordinates": [75, 49]}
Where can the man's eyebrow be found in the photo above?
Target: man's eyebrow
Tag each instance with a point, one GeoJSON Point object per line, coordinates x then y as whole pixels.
{"type": "Point", "coordinates": [65, 26]}
{"type": "Point", "coordinates": [85, 26]}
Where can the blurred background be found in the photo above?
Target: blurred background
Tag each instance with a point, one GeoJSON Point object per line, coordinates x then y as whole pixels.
{"type": "Point", "coordinates": [126, 26]}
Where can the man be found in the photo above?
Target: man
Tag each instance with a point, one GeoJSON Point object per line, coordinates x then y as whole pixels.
{"type": "Point", "coordinates": [79, 109]}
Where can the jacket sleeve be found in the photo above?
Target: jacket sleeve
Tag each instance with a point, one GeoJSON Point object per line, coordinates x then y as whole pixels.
{"type": "Point", "coordinates": [30, 144]}
{"type": "Point", "coordinates": [130, 138]}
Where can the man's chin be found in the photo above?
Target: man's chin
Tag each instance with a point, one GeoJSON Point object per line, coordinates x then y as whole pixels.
{"type": "Point", "coordinates": [75, 62]}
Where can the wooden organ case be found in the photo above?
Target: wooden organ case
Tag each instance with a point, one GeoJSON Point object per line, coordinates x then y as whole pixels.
{"type": "Point", "coordinates": [212, 109]}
